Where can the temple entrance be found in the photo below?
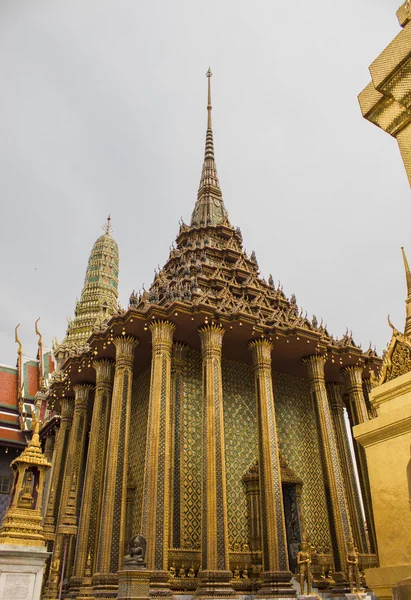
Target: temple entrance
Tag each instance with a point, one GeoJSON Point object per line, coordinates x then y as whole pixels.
{"type": "Point", "coordinates": [292, 523]}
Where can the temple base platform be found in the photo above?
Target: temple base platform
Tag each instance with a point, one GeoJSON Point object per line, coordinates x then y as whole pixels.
{"type": "Point", "coordinates": [383, 580]}
{"type": "Point", "coordinates": [21, 571]}
{"type": "Point", "coordinates": [133, 584]}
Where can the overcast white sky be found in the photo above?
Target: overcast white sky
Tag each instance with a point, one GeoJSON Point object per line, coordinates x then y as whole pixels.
{"type": "Point", "coordinates": [102, 110]}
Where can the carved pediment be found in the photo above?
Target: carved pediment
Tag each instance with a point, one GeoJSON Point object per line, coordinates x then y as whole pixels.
{"type": "Point", "coordinates": [397, 359]}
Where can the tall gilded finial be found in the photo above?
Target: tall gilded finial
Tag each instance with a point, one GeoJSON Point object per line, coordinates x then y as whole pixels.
{"type": "Point", "coordinates": [20, 382]}
{"type": "Point", "coordinates": [40, 356]}
{"type": "Point", "coordinates": [407, 330]}
{"type": "Point", "coordinates": [107, 226]}
{"type": "Point", "coordinates": [209, 208]}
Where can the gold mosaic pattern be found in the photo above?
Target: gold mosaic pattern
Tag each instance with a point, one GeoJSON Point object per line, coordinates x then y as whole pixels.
{"type": "Point", "coordinates": [299, 444]}
{"type": "Point", "coordinates": [297, 437]}
{"type": "Point", "coordinates": [137, 451]}
{"type": "Point", "coordinates": [241, 446]}
{"type": "Point", "coordinates": [191, 455]}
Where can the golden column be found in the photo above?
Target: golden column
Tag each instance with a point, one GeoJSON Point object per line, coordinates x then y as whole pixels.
{"type": "Point", "coordinates": [49, 446]}
{"type": "Point", "coordinates": [353, 381]}
{"type": "Point", "coordinates": [57, 471]}
{"type": "Point", "coordinates": [67, 527]}
{"type": "Point", "coordinates": [176, 413]}
{"type": "Point", "coordinates": [111, 542]}
{"type": "Point", "coordinates": [334, 391]}
{"type": "Point", "coordinates": [359, 414]}
{"type": "Point", "coordinates": [276, 576]}
{"type": "Point", "coordinates": [214, 575]}
{"type": "Point", "coordinates": [155, 519]}
{"type": "Point", "coordinates": [93, 480]}
{"type": "Point", "coordinates": [334, 483]}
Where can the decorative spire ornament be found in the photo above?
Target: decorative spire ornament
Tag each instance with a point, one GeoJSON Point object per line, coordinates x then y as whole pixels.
{"type": "Point", "coordinates": [407, 330]}
{"type": "Point", "coordinates": [209, 209]}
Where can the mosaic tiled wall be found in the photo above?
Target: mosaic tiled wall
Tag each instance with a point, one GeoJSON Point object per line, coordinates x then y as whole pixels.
{"type": "Point", "coordinates": [138, 431]}
{"type": "Point", "coordinates": [297, 435]}
{"type": "Point", "coordinates": [298, 440]}
{"type": "Point", "coordinates": [240, 426]}
{"type": "Point", "coordinates": [190, 493]}
{"type": "Point", "coordinates": [240, 441]}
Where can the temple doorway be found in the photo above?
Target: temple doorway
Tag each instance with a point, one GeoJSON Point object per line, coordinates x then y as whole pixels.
{"type": "Point", "coordinates": [292, 523]}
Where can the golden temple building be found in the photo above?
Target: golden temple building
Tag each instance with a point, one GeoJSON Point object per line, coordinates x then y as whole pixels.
{"type": "Point", "coordinates": [209, 417]}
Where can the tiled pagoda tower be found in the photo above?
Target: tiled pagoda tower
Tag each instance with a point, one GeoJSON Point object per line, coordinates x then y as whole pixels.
{"type": "Point", "coordinates": [217, 430]}
{"type": "Point", "coordinates": [98, 301]}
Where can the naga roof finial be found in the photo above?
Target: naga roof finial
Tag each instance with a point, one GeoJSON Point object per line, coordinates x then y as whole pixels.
{"type": "Point", "coordinates": [16, 338]}
{"type": "Point", "coordinates": [40, 355]}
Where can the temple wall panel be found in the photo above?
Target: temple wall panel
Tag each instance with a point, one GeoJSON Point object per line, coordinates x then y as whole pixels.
{"type": "Point", "coordinates": [138, 434]}
{"type": "Point", "coordinates": [297, 437]}
{"type": "Point", "coordinates": [299, 445]}
{"type": "Point", "coordinates": [190, 444]}
{"type": "Point", "coordinates": [241, 443]}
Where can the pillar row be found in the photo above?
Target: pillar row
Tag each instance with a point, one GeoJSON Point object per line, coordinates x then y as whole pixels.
{"type": "Point", "coordinates": [57, 475]}
{"type": "Point", "coordinates": [359, 414]}
{"type": "Point", "coordinates": [214, 575]}
{"type": "Point", "coordinates": [93, 481]}
{"type": "Point", "coordinates": [111, 542]}
{"type": "Point", "coordinates": [334, 391]}
{"type": "Point", "coordinates": [334, 483]}
{"type": "Point", "coordinates": [276, 576]}
{"type": "Point", "coordinates": [155, 519]}
{"type": "Point", "coordinates": [67, 519]}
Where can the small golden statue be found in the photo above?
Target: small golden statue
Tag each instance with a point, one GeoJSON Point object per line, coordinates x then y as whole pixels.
{"type": "Point", "coordinates": [245, 574]}
{"type": "Point", "coordinates": [191, 572]}
{"type": "Point", "coordinates": [236, 574]}
{"type": "Point", "coordinates": [352, 568]}
{"type": "Point", "coordinates": [172, 571]}
{"type": "Point", "coordinates": [181, 573]}
{"type": "Point", "coordinates": [54, 571]}
{"type": "Point", "coordinates": [26, 498]}
{"type": "Point", "coordinates": [304, 566]}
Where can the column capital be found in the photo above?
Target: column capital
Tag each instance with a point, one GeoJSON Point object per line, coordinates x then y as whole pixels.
{"type": "Point", "coordinates": [125, 345]}
{"type": "Point", "coordinates": [352, 375]}
{"type": "Point", "coordinates": [179, 354]}
{"type": "Point", "coordinates": [81, 394]}
{"type": "Point", "coordinates": [211, 339]}
{"type": "Point", "coordinates": [261, 352]}
{"type": "Point", "coordinates": [162, 336]}
{"type": "Point", "coordinates": [67, 408]}
{"type": "Point", "coordinates": [334, 393]}
{"type": "Point", "coordinates": [104, 370]}
{"type": "Point", "coordinates": [315, 365]}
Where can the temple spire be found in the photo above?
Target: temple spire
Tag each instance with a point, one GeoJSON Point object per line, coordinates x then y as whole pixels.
{"type": "Point", "coordinates": [209, 107]}
{"type": "Point", "coordinates": [408, 299]}
{"type": "Point", "coordinates": [209, 208]}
